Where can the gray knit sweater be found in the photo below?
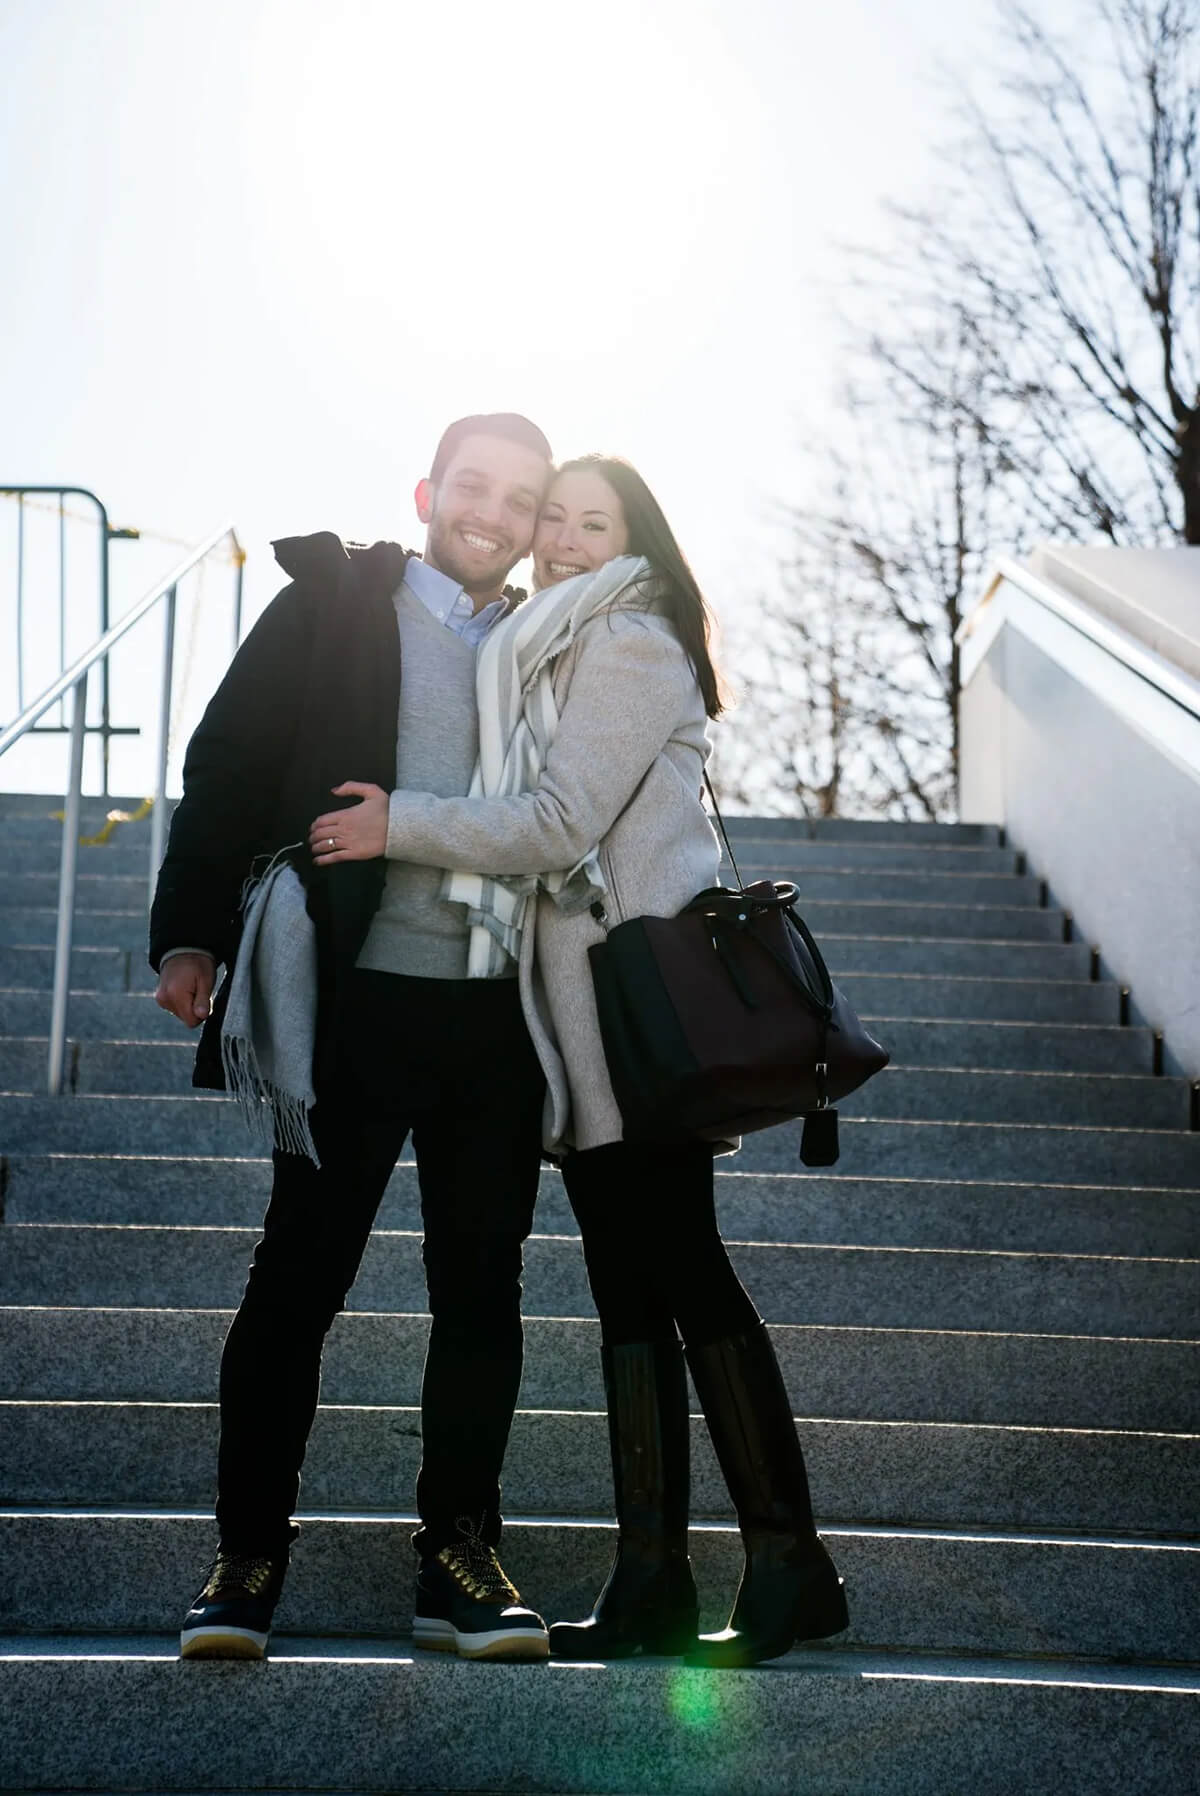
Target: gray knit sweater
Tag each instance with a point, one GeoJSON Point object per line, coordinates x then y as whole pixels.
{"type": "Point", "coordinates": [415, 930]}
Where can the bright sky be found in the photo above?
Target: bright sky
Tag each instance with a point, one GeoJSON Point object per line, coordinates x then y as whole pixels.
{"type": "Point", "coordinates": [256, 253]}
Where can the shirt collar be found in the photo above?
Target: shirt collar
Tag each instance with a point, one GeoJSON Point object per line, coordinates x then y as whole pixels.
{"type": "Point", "coordinates": [437, 591]}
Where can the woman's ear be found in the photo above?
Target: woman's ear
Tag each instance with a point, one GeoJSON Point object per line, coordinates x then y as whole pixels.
{"type": "Point", "coordinates": [424, 500]}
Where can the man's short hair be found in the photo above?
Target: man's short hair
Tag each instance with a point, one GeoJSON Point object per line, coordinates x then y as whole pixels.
{"type": "Point", "coordinates": [510, 425]}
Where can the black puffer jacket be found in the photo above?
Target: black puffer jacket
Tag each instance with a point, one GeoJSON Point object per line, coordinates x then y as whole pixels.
{"type": "Point", "coordinates": [309, 701]}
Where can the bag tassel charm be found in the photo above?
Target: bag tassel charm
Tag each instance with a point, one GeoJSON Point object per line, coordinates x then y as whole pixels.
{"type": "Point", "coordinates": [819, 1142]}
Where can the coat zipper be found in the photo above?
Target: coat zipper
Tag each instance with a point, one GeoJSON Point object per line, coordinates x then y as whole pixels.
{"type": "Point", "coordinates": [612, 913]}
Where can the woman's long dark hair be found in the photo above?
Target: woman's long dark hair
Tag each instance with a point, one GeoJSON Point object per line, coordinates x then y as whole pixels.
{"type": "Point", "coordinates": [675, 586]}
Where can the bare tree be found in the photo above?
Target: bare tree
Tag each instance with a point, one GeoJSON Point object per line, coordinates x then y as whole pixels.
{"type": "Point", "coordinates": [1036, 374]}
{"type": "Point", "coordinates": [1079, 275]}
{"type": "Point", "coordinates": [849, 672]}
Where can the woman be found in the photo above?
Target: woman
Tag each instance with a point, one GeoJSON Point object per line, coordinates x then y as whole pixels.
{"type": "Point", "coordinates": [614, 827]}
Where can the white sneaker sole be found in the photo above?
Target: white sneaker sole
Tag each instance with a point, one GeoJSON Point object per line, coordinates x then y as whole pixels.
{"type": "Point", "coordinates": [222, 1643]}
{"type": "Point", "coordinates": [522, 1644]}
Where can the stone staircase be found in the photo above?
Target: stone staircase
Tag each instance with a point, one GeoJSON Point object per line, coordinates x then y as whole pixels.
{"type": "Point", "coordinates": [987, 1317]}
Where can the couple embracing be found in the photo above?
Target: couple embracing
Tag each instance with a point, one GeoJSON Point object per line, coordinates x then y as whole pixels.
{"type": "Point", "coordinates": [410, 809]}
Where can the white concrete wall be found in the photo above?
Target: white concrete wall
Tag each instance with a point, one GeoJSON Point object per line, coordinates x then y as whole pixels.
{"type": "Point", "coordinates": [1103, 814]}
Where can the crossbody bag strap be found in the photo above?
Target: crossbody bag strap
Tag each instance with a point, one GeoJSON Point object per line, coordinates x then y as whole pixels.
{"type": "Point", "coordinates": [712, 798]}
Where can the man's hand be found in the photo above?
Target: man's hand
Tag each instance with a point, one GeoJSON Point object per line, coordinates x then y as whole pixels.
{"type": "Point", "coordinates": [359, 834]}
{"type": "Point", "coordinates": [185, 987]}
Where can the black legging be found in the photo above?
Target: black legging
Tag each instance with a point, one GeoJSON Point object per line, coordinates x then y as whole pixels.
{"type": "Point", "coordinates": [655, 1258]}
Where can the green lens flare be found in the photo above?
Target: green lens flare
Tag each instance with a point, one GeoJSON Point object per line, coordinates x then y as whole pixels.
{"type": "Point", "coordinates": [694, 1698]}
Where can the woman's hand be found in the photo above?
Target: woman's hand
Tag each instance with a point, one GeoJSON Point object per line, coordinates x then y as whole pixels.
{"type": "Point", "coordinates": [359, 834]}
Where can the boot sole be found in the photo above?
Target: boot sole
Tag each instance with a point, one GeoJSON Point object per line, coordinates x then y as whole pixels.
{"type": "Point", "coordinates": [520, 1645]}
{"type": "Point", "coordinates": [222, 1643]}
{"type": "Point", "coordinates": [569, 1645]}
{"type": "Point", "coordinates": [737, 1657]}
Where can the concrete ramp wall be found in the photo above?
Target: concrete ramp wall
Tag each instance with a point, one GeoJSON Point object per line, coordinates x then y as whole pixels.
{"type": "Point", "coordinates": [1083, 742]}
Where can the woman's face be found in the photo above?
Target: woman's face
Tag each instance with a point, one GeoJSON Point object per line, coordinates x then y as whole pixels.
{"type": "Point", "coordinates": [581, 526]}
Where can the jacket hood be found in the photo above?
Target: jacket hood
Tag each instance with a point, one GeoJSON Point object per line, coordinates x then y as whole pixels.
{"type": "Point", "coordinates": [325, 556]}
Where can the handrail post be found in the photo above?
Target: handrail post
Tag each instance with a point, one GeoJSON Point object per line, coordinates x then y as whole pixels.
{"type": "Point", "coordinates": [158, 816]}
{"type": "Point", "coordinates": [240, 558]}
{"type": "Point", "coordinates": [66, 895]}
{"type": "Point", "coordinates": [20, 601]}
{"type": "Point", "coordinates": [105, 671]}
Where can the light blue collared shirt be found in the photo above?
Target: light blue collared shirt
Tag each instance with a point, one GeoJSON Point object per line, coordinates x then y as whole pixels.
{"type": "Point", "coordinates": [445, 599]}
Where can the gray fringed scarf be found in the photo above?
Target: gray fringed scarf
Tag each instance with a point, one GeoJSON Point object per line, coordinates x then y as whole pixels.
{"type": "Point", "coordinates": [270, 1026]}
{"type": "Point", "coordinates": [518, 715]}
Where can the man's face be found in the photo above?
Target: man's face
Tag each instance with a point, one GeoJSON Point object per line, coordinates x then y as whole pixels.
{"type": "Point", "coordinates": [482, 512]}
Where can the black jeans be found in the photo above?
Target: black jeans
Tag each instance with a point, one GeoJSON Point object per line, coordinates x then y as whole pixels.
{"type": "Point", "coordinates": [451, 1062]}
{"type": "Point", "coordinates": [655, 1258]}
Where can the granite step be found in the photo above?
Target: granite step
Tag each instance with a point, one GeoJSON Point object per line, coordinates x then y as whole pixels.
{"type": "Point", "coordinates": [869, 1374]}
{"type": "Point", "coordinates": [857, 1286]}
{"type": "Point", "coordinates": [92, 969]}
{"type": "Point", "coordinates": [1005, 1152]}
{"type": "Point", "coordinates": [1078, 1099]}
{"type": "Point", "coordinates": [24, 924]}
{"type": "Point", "coordinates": [1016, 1047]}
{"type": "Point", "coordinates": [995, 1095]}
{"type": "Point", "coordinates": [27, 926]}
{"type": "Point", "coordinates": [909, 1589]}
{"type": "Point", "coordinates": [898, 877]}
{"type": "Point", "coordinates": [913, 885]}
{"type": "Point", "coordinates": [39, 806]}
{"type": "Point", "coordinates": [31, 965]}
{"type": "Point", "coordinates": [36, 847]}
{"type": "Point", "coordinates": [913, 1474]}
{"type": "Point", "coordinates": [95, 1016]}
{"type": "Point", "coordinates": [95, 806]}
{"type": "Point", "coordinates": [864, 1287]}
{"type": "Point", "coordinates": [320, 1718]}
{"type": "Point", "coordinates": [769, 854]}
{"type": "Point", "coordinates": [132, 1015]}
{"type": "Point", "coordinates": [816, 1207]}
{"type": "Point", "coordinates": [94, 891]}
{"type": "Point", "coordinates": [855, 829]}
{"type": "Point", "coordinates": [969, 959]}
{"type": "Point", "coordinates": [159, 1067]}
{"type": "Point", "coordinates": [1006, 998]}
{"type": "Point", "coordinates": [870, 913]}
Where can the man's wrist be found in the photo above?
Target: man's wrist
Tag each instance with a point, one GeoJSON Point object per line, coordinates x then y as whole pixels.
{"type": "Point", "coordinates": [172, 952]}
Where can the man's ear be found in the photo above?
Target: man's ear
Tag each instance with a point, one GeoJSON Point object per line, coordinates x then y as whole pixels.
{"type": "Point", "coordinates": [424, 500]}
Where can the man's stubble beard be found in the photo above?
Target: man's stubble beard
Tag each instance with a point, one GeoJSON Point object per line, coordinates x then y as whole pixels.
{"type": "Point", "coordinates": [443, 549]}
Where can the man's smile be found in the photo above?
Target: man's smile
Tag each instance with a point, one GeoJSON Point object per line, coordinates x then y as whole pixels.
{"type": "Point", "coordinates": [486, 545]}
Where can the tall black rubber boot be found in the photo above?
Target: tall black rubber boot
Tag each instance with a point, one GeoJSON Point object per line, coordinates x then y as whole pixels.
{"type": "Point", "coordinates": [790, 1590]}
{"type": "Point", "coordinates": [648, 1603]}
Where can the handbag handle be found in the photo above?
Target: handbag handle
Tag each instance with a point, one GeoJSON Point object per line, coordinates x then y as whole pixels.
{"type": "Point", "coordinates": [786, 896]}
{"type": "Point", "coordinates": [727, 904]}
{"type": "Point", "coordinates": [712, 799]}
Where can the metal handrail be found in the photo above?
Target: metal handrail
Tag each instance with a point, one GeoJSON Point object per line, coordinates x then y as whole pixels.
{"type": "Point", "coordinates": [108, 534]}
{"type": "Point", "coordinates": [1150, 667]}
{"type": "Point", "coordinates": [74, 680]}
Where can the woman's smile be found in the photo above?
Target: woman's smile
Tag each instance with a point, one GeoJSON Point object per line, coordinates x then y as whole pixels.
{"type": "Point", "coordinates": [581, 526]}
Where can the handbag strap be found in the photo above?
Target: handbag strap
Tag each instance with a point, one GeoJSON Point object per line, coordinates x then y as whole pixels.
{"type": "Point", "coordinates": [712, 798]}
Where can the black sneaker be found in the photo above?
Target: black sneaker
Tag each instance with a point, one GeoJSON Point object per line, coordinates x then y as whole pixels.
{"type": "Point", "coordinates": [231, 1617]}
{"type": "Point", "coordinates": [466, 1605]}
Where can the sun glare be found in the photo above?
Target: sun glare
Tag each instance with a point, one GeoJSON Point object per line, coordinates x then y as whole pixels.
{"type": "Point", "coordinates": [549, 188]}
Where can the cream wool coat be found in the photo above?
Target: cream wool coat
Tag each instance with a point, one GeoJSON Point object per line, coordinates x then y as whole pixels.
{"type": "Point", "coordinates": [624, 771]}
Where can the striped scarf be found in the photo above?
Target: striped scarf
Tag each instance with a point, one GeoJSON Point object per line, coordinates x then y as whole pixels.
{"type": "Point", "coordinates": [514, 683]}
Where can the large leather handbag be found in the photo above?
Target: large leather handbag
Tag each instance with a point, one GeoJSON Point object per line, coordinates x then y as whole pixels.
{"type": "Point", "coordinates": [724, 1020]}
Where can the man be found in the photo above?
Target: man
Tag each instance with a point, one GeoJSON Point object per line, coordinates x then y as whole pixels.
{"type": "Point", "coordinates": [405, 1043]}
